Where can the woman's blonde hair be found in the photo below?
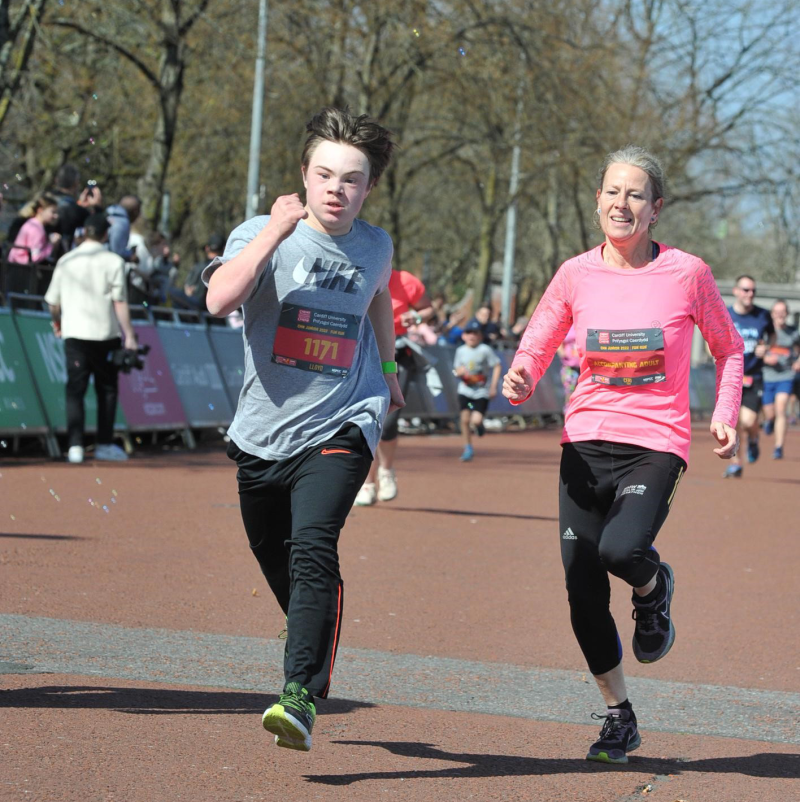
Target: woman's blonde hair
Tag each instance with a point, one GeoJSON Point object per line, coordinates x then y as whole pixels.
{"type": "Point", "coordinates": [39, 202]}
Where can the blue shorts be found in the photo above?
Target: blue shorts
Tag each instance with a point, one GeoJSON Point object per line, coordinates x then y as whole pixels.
{"type": "Point", "coordinates": [771, 389]}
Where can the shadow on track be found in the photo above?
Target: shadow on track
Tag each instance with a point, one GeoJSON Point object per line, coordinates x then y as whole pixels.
{"type": "Point", "coordinates": [152, 701]}
{"type": "Point", "coordinates": [468, 514]}
{"type": "Point", "coordinates": [41, 537]}
{"type": "Point", "coordinates": [772, 765]}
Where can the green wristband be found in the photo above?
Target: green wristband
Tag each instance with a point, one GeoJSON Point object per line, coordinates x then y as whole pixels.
{"type": "Point", "coordinates": [389, 367]}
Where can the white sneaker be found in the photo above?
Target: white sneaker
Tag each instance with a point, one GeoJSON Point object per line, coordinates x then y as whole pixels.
{"type": "Point", "coordinates": [366, 496]}
{"type": "Point", "coordinates": [387, 484]}
{"type": "Point", "coordinates": [110, 453]}
{"type": "Point", "coordinates": [75, 455]}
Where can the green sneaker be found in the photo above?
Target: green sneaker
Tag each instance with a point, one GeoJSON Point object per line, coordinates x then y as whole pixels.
{"type": "Point", "coordinates": [291, 718]}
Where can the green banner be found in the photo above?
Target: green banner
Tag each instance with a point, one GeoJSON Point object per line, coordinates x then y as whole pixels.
{"type": "Point", "coordinates": [46, 354]}
{"type": "Point", "coordinates": [20, 410]}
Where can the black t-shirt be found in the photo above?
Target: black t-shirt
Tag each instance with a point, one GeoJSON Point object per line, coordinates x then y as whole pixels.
{"type": "Point", "coordinates": [70, 217]}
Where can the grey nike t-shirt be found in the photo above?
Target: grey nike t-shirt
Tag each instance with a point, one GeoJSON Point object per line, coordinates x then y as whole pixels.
{"type": "Point", "coordinates": [311, 362]}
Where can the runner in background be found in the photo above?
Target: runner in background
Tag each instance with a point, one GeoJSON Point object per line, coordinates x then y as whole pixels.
{"type": "Point", "coordinates": [320, 376]}
{"type": "Point", "coordinates": [634, 304]}
{"type": "Point", "coordinates": [781, 364]}
{"type": "Point", "coordinates": [411, 306]}
{"type": "Point", "coordinates": [754, 324]}
{"type": "Point", "coordinates": [570, 366]}
{"type": "Point", "coordinates": [472, 362]}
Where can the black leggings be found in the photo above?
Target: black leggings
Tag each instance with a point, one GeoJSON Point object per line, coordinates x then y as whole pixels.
{"type": "Point", "coordinates": [613, 499]}
{"type": "Point", "coordinates": [293, 511]}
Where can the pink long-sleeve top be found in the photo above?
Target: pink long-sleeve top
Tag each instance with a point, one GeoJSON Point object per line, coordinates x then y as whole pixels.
{"type": "Point", "coordinates": [634, 334]}
{"type": "Point", "coordinates": [33, 236]}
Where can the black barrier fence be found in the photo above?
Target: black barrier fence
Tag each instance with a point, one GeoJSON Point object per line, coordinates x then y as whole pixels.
{"type": "Point", "coordinates": [194, 372]}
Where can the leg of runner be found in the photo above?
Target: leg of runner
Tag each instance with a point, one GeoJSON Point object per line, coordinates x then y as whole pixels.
{"type": "Point", "coordinates": [466, 435]}
{"type": "Point", "coordinates": [476, 422]}
{"type": "Point", "coordinates": [586, 493]}
{"type": "Point", "coordinates": [747, 417]}
{"type": "Point", "coordinates": [613, 499]}
{"type": "Point", "coordinates": [749, 431]}
{"type": "Point", "coordinates": [781, 424]}
{"type": "Point", "coordinates": [322, 482]}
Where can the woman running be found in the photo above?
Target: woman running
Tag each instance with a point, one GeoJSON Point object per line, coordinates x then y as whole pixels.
{"type": "Point", "coordinates": [634, 303]}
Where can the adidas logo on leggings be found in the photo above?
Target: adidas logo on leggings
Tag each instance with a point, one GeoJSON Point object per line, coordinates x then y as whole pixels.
{"type": "Point", "coordinates": [569, 535]}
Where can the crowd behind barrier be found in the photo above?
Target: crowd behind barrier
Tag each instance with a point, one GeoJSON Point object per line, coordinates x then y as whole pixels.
{"type": "Point", "coordinates": [193, 374]}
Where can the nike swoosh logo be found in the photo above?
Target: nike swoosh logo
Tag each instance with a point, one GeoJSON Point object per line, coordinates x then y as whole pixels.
{"type": "Point", "coordinates": [326, 451]}
{"type": "Point", "coordinates": [300, 273]}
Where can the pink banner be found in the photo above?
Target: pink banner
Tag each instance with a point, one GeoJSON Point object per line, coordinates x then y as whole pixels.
{"type": "Point", "coordinates": [149, 397]}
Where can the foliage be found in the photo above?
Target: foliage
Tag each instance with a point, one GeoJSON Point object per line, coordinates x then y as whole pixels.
{"type": "Point", "coordinates": [710, 87]}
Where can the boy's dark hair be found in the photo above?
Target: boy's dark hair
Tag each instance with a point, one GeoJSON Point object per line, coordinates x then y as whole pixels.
{"type": "Point", "coordinates": [338, 125]}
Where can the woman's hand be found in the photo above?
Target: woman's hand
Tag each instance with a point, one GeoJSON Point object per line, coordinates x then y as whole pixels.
{"type": "Point", "coordinates": [727, 438]}
{"type": "Point", "coordinates": [516, 384]}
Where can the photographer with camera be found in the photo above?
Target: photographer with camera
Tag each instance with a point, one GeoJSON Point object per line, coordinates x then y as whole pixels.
{"type": "Point", "coordinates": [76, 202]}
{"type": "Point", "coordinates": [88, 301]}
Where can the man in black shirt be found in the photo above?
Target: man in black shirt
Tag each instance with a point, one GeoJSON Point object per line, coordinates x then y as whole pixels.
{"type": "Point", "coordinates": [74, 204]}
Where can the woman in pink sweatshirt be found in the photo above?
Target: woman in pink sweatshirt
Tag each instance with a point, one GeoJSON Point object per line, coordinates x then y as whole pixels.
{"type": "Point", "coordinates": [33, 244]}
{"type": "Point", "coordinates": [634, 303]}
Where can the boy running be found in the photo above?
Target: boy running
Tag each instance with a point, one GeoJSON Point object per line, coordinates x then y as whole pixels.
{"type": "Point", "coordinates": [471, 364]}
{"type": "Point", "coordinates": [319, 379]}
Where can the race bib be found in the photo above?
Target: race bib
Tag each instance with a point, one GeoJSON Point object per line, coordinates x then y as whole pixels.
{"type": "Point", "coordinates": [626, 358]}
{"type": "Point", "coordinates": [316, 340]}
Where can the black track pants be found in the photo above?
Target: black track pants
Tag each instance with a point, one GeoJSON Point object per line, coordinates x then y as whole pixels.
{"type": "Point", "coordinates": [87, 358]}
{"type": "Point", "coordinates": [613, 499]}
{"type": "Point", "coordinates": [293, 511]}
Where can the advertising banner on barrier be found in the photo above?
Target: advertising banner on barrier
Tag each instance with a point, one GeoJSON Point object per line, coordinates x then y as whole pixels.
{"type": "Point", "coordinates": [20, 410]}
{"type": "Point", "coordinates": [229, 350]}
{"type": "Point", "coordinates": [149, 397]}
{"type": "Point", "coordinates": [427, 398]}
{"type": "Point", "coordinates": [47, 360]}
{"type": "Point", "coordinates": [196, 374]}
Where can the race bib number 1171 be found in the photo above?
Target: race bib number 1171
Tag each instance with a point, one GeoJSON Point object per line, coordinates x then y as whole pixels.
{"type": "Point", "coordinates": [316, 340]}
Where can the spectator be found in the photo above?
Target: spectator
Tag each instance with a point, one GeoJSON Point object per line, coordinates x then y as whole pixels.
{"type": "Point", "coordinates": [33, 244]}
{"type": "Point", "coordinates": [164, 270]}
{"type": "Point", "coordinates": [130, 245]}
{"type": "Point", "coordinates": [120, 230]}
{"type": "Point", "coordinates": [87, 300]}
{"type": "Point", "coordinates": [193, 295]}
{"type": "Point", "coordinates": [75, 204]}
{"type": "Point", "coordinates": [490, 331]}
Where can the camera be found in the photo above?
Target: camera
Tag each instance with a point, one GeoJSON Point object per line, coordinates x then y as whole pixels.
{"type": "Point", "coordinates": [127, 360]}
{"type": "Point", "coordinates": [91, 185]}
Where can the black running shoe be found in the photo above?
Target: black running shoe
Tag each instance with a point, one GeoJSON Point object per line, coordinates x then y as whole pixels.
{"type": "Point", "coordinates": [619, 736]}
{"type": "Point", "coordinates": [655, 632]}
{"type": "Point", "coordinates": [480, 429]}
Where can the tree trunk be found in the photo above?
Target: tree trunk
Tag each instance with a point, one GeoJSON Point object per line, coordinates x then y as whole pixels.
{"type": "Point", "coordinates": [480, 283]}
{"type": "Point", "coordinates": [151, 185]}
{"type": "Point", "coordinates": [12, 69]}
